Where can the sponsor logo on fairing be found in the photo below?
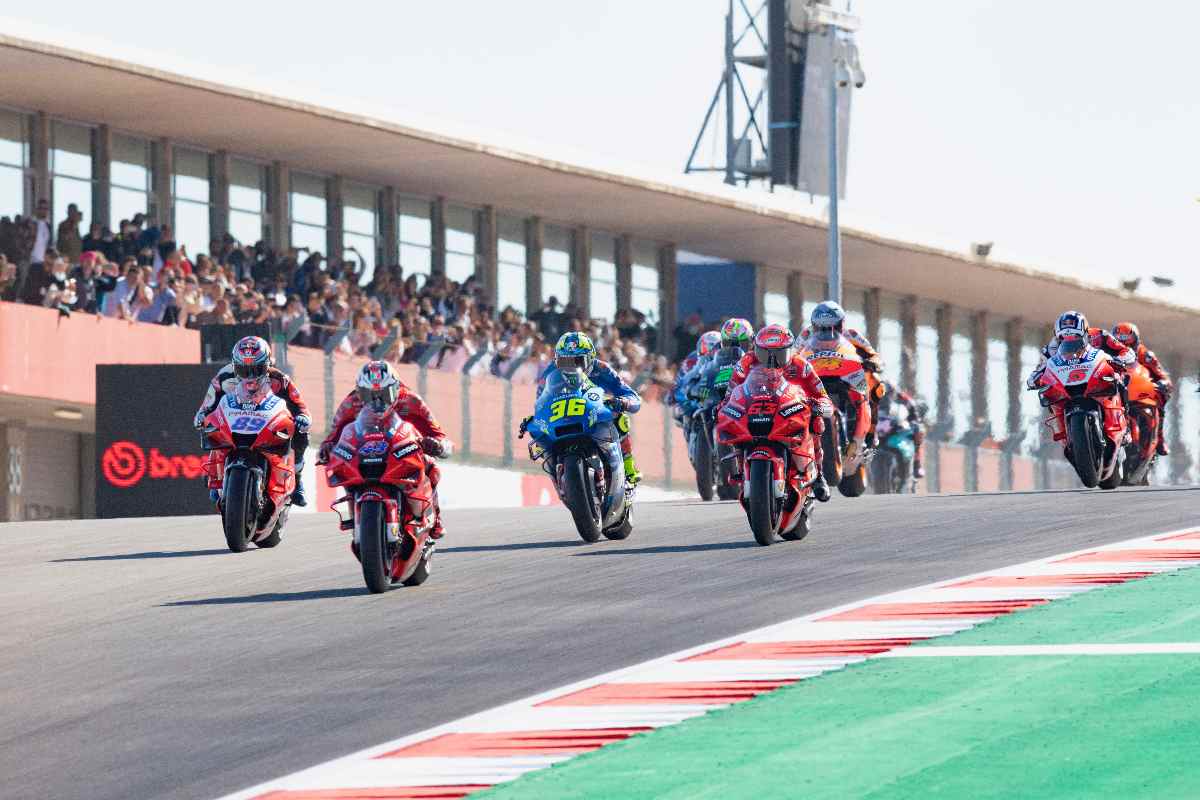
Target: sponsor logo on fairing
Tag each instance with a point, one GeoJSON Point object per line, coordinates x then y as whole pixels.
{"type": "Point", "coordinates": [733, 412]}
{"type": "Point", "coordinates": [792, 409]}
{"type": "Point", "coordinates": [403, 451]}
{"type": "Point", "coordinates": [344, 452]}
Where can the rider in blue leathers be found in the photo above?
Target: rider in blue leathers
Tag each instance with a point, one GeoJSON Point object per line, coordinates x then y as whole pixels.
{"type": "Point", "coordinates": [575, 350]}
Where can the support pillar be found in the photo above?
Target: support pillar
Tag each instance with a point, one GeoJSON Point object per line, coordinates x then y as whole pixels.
{"type": "Point", "coordinates": [581, 269]}
{"type": "Point", "coordinates": [624, 264]}
{"type": "Point", "coordinates": [668, 281]}
{"type": "Point", "coordinates": [908, 345]}
{"type": "Point", "coordinates": [279, 185]}
{"type": "Point", "coordinates": [795, 295]}
{"type": "Point", "coordinates": [218, 195]}
{"type": "Point", "coordinates": [486, 261]}
{"type": "Point", "coordinates": [437, 231]}
{"type": "Point", "coordinates": [101, 178]}
{"type": "Point", "coordinates": [162, 206]}
{"type": "Point", "coordinates": [13, 446]}
{"type": "Point", "coordinates": [389, 229]}
{"type": "Point", "coordinates": [534, 241]}
{"type": "Point", "coordinates": [979, 370]}
{"type": "Point", "coordinates": [39, 160]}
{"type": "Point", "coordinates": [1014, 340]}
{"type": "Point", "coordinates": [944, 321]}
{"type": "Point", "coordinates": [872, 313]}
{"type": "Point", "coordinates": [335, 225]}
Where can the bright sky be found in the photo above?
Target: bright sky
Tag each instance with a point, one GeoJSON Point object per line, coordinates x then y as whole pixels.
{"type": "Point", "coordinates": [1065, 132]}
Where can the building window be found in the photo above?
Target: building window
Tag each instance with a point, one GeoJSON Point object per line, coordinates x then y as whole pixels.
{"type": "Point", "coordinates": [360, 229]}
{"type": "Point", "coordinates": [190, 189]}
{"type": "Point", "coordinates": [247, 200]}
{"type": "Point", "coordinates": [556, 264]}
{"type": "Point", "coordinates": [927, 363]}
{"type": "Point", "coordinates": [71, 170]}
{"type": "Point", "coordinates": [129, 182]}
{"type": "Point", "coordinates": [960, 375]}
{"type": "Point", "coordinates": [645, 293]}
{"type": "Point", "coordinates": [14, 159]}
{"type": "Point", "coordinates": [415, 232]}
{"type": "Point", "coordinates": [891, 343]}
{"type": "Point", "coordinates": [308, 213]}
{"type": "Point", "coordinates": [776, 309]}
{"type": "Point", "coordinates": [461, 225]}
{"type": "Point", "coordinates": [511, 266]}
{"type": "Point", "coordinates": [604, 277]}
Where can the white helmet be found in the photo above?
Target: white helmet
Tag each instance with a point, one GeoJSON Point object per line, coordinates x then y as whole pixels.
{"type": "Point", "coordinates": [378, 385]}
{"type": "Point", "coordinates": [828, 319]}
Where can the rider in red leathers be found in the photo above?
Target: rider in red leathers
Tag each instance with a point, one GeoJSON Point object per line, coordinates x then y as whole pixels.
{"type": "Point", "coordinates": [775, 346]}
{"type": "Point", "coordinates": [378, 379]}
{"type": "Point", "coordinates": [251, 360]}
{"type": "Point", "coordinates": [1127, 334]}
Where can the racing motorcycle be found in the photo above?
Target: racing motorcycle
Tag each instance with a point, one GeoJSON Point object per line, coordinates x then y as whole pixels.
{"type": "Point", "coordinates": [891, 467]}
{"type": "Point", "coordinates": [574, 435]}
{"type": "Point", "coordinates": [1084, 393]}
{"type": "Point", "coordinates": [767, 420]}
{"type": "Point", "coordinates": [379, 463]}
{"type": "Point", "coordinates": [716, 470]}
{"type": "Point", "coordinates": [1144, 423]}
{"type": "Point", "coordinates": [850, 387]}
{"type": "Point", "coordinates": [253, 429]}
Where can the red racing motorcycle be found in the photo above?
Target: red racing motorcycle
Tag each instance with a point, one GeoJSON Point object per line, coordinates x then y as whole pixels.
{"type": "Point", "coordinates": [1086, 396]}
{"type": "Point", "coordinates": [249, 439]}
{"type": "Point", "coordinates": [768, 421]}
{"type": "Point", "coordinates": [379, 463]}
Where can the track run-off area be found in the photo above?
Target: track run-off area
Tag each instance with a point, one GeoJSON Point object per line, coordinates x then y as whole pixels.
{"type": "Point", "coordinates": [139, 658]}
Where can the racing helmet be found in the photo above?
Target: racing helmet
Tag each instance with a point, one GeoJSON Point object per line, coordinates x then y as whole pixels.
{"type": "Point", "coordinates": [828, 319]}
{"type": "Point", "coordinates": [737, 332]}
{"type": "Point", "coordinates": [773, 346]}
{"type": "Point", "coordinates": [708, 342]}
{"type": "Point", "coordinates": [251, 357]}
{"type": "Point", "coordinates": [1127, 334]}
{"type": "Point", "coordinates": [1071, 323]}
{"type": "Point", "coordinates": [378, 385]}
{"type": "Point", "coordinates": [574, 351]}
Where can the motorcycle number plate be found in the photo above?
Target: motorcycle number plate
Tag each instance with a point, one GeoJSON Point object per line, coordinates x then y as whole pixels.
{"type": "Point", "coordinates": [247, 423]}
{"type": "Point", "coordinates": [826, 363]}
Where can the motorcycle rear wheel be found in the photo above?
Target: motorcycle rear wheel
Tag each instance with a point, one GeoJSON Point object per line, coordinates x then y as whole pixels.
{"type": "Point", "coordinates": [373, 550]}
{"type": "Point", "coordinates": [831, 451]}
{"type": "Point", "coordinates": [854, 484]}
{"type": "Point", "coordinates": [1083, 450]}
{"type": "Point", "coordinates": [704, 464]}
{"type": "Point", "coordinates": [761, 502]}
{"type": "Point", "coordinates": [580, 498]}
{"type": "Point", "coordinates": [421, 573]}
{"type": "Point", "coordinates": [238, 515]}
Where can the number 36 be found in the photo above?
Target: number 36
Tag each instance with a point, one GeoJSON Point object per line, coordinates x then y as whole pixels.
{"type": "Point", "coordinates": [567, 408]}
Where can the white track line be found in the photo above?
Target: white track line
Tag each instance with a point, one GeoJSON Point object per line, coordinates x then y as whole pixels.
{"type": "Point", "coordinates": [365, 768]}
{"type": "Point", "coordinates": [964, 651]}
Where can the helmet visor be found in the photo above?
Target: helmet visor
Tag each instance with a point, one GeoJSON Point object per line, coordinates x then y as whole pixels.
{"type": "Point", "coordinates": [825, 333]}
{"type": "Point", "coordinates": [571, 363]}
{"type": "Point", "coordinates": [1072, 347]}
{"type": "Point", "coordinates": [377, 399]}
{"type": "Point", "coordinates": [250, 370]}
{"type": "Point", "coordinates": [773, 357]}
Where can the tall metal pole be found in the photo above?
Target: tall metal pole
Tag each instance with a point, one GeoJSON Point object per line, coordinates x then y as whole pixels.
{"type": "Point", "coordinates": [729, 143]}
{"type": "Point", "coordinates": [835, 236]}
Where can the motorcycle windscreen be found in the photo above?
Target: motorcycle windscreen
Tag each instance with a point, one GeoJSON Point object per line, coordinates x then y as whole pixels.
{"type": "Point", "coordinates": [763, 381]}
{"type": "Point", "coordinates": [369, 421]}
{"type": "Point", "coordinates": [1072, 349]}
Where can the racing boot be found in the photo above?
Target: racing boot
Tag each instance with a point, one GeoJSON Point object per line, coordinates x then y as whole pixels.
{"type": "Point", "coordinates": [820, 488]}
{"type": "Point", "coordinates": [438, 532]}
{"type": "Point", "coordinates": [918, 468]}
{"type": "Point", "coordinates": [298, 497]}
{"type": "Point", "coordinates": [633, 475]}
{"type": "Point", "coordinates": [1162, 449]}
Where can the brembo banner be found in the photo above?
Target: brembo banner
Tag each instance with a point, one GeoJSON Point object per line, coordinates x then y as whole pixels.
{"type": "Point", "coordinates": [149, 457]}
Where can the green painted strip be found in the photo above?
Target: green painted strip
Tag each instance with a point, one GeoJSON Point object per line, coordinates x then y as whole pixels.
{"type": "Point", "coordinates": [1003, 727]}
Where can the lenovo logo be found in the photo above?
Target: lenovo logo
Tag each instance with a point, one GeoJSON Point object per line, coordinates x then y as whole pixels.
{"type": "Point", "coordinates": [125, 464]}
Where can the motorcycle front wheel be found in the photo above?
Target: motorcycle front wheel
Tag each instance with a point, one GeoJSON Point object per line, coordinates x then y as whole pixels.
{"type": "Point", "coordinates": [373, 550]}
{"type": "Point", "coordinates": [831, 450]}
{"type": "Point", "coordinates": [704, 464]}
{"type": "Point", "coordinates": [579, 493]}
{"type": "Point", "coordinates": [761, 502]}
{"type": "Point", "coordinates": [1084, 455]}
{"type": "Point", "coordinates": [239, 512]}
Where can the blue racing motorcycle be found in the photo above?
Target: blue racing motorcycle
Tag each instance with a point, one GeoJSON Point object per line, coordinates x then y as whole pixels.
{"type": "Point", "coordinates": [574, 434]}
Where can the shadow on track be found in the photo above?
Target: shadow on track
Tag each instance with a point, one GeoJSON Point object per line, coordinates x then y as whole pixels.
{"type": "Point", "coordinates": [146, 554]}
{"type": "Point", "coordinates": [500, 548]}
{"type": "Point", "coordinates": [671, 548]}
{"type": "Point", "coordinates": [271, 597]}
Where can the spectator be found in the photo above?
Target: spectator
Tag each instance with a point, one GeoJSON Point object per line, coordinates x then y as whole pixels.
{"type": "Point", "coordinates": [8, 279]}
{"type": "Point", "coordinates": [68, 242]}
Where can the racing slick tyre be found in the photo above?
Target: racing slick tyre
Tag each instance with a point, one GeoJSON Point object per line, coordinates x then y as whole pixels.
{"type": "Point", "coordinates": [1084, 455]}
{"type": "Point", "coordinates": [374, 552]}
{"type": "Point", "coordinates": [761, 502]}
{"type": "Point", "coordinates": [854, 484]}
{"type": "Point", "coordinates": [621, 531]}
{"type": "Point", "coordinates": [831, 448]}
{"type": "Point", "coordinates": [273, 539]}
{"type": "Point", "coordinates": [580, 496]}
{"type": "Point", "coordinates": [803, 526]}
{"type": "Point", "coordinates": [1113, 480]}
{"type": "Point", "coordinates": [704, 464]}
{"type": "Point", "coordinates": [239, 512]}
{"type": "Point", "coordinates": [421, 573]}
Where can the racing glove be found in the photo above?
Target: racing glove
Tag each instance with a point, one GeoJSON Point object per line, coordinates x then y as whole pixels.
{"type": "Point", "coordinates": [438, 448]}
{"type": "Point", "coordinates": [1164, 390]}
{"type": "Point", "coordinates": [873, 364]}
{"type": "Point", "coordinates": [303, 423]}
{"type": "Point", "coordinates": [323, 452]}
{"type": "Point", "coordinates": [615, 404]}
{"type": "Point", "coordinates": [523, 428]}
{"type": "Point", "coordinates": [198, 422]}
{"type": "Point", "coordinates": [824, 407]}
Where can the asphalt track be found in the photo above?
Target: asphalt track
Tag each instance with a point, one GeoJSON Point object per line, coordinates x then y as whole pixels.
{"type": "Point", "coordinates": [140, 659]}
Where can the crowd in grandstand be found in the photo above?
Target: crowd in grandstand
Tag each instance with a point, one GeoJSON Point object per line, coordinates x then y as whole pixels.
{"type": "Point", "coordinates": [140, 273]}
